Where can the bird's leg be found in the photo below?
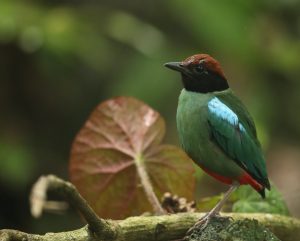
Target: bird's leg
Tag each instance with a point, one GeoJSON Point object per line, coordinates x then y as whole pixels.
{"type": "Point", "coordinates": [216, 210]}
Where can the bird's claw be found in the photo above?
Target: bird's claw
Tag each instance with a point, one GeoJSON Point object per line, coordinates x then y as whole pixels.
{"type": "Point", "coordinates": [202, 222]}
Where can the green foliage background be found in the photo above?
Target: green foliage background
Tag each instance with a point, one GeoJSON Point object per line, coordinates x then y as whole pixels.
{"type": "Point", "coordinates": [59, 59]}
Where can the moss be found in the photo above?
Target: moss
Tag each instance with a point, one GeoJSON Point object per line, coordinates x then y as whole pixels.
{"type": "Point", "coordinates": [225, 229]}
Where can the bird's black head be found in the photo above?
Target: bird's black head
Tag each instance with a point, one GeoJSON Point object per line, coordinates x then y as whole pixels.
{"type": "Point", "coordinates": [200, 73]}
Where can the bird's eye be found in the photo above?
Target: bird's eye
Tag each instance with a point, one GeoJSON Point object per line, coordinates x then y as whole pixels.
{"type": "Point", "coordinates": [199, 68]}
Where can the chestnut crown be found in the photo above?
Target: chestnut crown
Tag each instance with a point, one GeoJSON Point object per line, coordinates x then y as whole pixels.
{"type": "Point", "coordinates": [200, 73]}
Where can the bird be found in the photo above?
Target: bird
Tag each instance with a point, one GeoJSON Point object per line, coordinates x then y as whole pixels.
{"type": "Point", "coordinates": [216, 130]}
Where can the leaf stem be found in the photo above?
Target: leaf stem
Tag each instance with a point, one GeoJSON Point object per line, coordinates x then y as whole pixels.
{"type": "Point", "coordinates": [146, 183]}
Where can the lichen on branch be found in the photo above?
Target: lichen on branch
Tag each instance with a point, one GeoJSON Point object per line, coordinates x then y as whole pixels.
{"type": "Point", "coordinates": [226, 229]}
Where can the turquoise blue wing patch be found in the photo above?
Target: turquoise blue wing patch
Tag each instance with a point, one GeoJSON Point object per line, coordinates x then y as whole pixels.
{"type": "Point", "coordinates": [233, 138]}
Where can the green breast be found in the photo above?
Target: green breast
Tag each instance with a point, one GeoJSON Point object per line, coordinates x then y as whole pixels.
{"type": "Point", "coordinates": [195, 137]}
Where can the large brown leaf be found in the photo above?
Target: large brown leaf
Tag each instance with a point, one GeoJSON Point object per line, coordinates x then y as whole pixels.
{"type": "Point", "coordinates": [121, 135]}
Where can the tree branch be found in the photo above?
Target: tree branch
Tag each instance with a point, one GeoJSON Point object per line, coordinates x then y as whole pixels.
{"type": "Point", "coordinates": [101, 227]}
{"type": "Point", "coordinates": [82, 234]}
{"type": "Point", "coordinates": [165, 227]}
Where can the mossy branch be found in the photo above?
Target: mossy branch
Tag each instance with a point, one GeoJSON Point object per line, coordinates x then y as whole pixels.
{"type": "Point", "coordinates": [165, 227]}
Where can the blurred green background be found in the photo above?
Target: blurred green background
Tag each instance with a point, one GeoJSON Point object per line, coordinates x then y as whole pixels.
{"type": "Point", "coordinates": [59, 59]}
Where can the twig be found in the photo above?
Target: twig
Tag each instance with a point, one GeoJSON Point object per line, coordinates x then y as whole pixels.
{"type": "Point", "coordinates": [102, 228]}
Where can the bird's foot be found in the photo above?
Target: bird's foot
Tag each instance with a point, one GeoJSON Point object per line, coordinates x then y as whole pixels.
{"type": "Point", "coordinates": [203, 221]}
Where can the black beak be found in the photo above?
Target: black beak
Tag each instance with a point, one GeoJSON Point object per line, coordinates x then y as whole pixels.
{"type": "Point", "coordinates": [175, 66]}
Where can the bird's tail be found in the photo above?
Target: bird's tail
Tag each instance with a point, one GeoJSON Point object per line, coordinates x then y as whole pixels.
{"type": "Point", "coordinates": [259, 187]}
